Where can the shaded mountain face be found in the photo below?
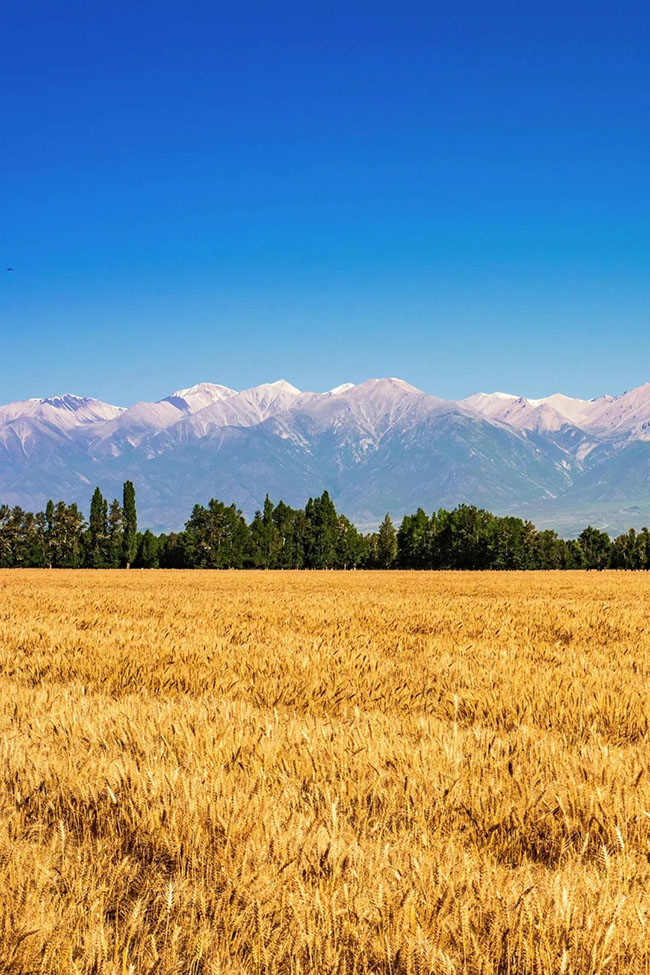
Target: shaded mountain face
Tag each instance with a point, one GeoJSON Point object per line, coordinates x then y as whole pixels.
{"type": "Point", "coordinates": [379, 446]}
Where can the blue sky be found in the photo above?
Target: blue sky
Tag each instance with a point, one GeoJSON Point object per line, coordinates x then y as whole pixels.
{"type": "Point", "coordinates": [458, 194]}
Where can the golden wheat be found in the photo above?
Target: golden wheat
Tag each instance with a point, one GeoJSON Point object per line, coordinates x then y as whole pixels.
{"type": "Point", "coordinates": [323, 772]}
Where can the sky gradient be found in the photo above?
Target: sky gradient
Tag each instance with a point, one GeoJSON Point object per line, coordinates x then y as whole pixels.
{"type": "Point", "coordinates": [457, 194]}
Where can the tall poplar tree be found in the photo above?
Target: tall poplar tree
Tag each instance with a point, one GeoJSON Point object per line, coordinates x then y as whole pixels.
{"type": "Point", "coordinates": [97, 531]}
{"type": "Point", "coordinates": [130, 515]}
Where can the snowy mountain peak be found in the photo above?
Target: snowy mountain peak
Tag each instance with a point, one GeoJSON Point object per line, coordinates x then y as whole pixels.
{"type": "Point", "coordinates": [607, 415]}
{"type": "Point", "coordinates": [74, 403]}
{"type": "Point", "coordinates": [477, 399]}
{"type": "Point", "coordinates": [403, 384]}
{"type": "Point", "coordinates": [389, 383]}
{"type": "Point", "coordinates": [283, 386]}
{"type": "Point", "coordinates": [197, 397]}
{"type": "Point", "coordinates": [207, 389]}
{"type": "Point", "coordinates": [491, 404]}
{"type": "Point", "coordinates": [343, 388]}
{"type": "Point", "coordinates": [537, 415]}
{"type": "Point", "coordinates": [627, 413]}
{"type": "Point", "coordinates": [66, 401]}
{"type": "Point", "coordinates": [58, 413]}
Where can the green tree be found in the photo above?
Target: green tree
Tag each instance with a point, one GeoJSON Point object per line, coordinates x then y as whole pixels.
{"type": "Point", "coordinates": [548, 550]}
{"type": "Point", "coordinates": [172, 551]}
{"type": "Point", "coordinates": [412, 538]}
{"type": "Point", "coordinates": [66, 536]}
{"type": "Point", "coordinates": [21, 538]}
{"type": "Point", "coordinates": [271, 537]}
{"type": "Point", "coordinates": [49, 523]}
{"type": "Point", "coordinates": [96, 556]}
{"type": "Point", "coordinates": [629, 551]}
{"type": "Point", "coordinates": [130, 531]}
{"type": "Point", "coordinates": [351, 545]}
{"type": "Point", "coordinates": [256, 550]}
{"type": "Point", "coordinates": [290, 526]}
{"type": "Point", "coordinates": [147, 557]}
{"type": "Point", "coordinates": [596, 547]}
{"type": "Point", "coordinates": [643, 543]}
{"type": "Point", "coordinates": [216, 537]}
{"type": "Point", "coordinates": [265, 541]}
{"type": "Point", "coordinates": [321, 534]}
{"type": "Point", "coordinates": [386, 544]}
{"type": "Point", "coordinates": [114, 535]}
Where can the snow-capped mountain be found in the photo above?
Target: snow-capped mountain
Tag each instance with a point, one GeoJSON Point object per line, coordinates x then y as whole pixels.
{"type": "Point", "coordinates": [378, 445]}
{"type": "Point", "coordinates": [63, 412]}
{"type": "Point", "coordinates": [628, 413]}
{"type": "Point", "coordinates": [519, 412]}
{"type": "Point", "coordinates": [609, 415]}
{"type": "Point", "coordinates": [198, 397]}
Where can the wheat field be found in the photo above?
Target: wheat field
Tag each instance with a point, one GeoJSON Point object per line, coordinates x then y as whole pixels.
{"type": "Point", "coordinates": [324, 772]}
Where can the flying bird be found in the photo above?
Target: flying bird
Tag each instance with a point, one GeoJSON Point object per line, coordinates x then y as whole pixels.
{"type": "Point", "coordinates": [10, 269]}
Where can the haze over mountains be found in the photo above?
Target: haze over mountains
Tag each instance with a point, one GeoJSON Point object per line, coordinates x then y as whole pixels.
{"type": "Point", "coordinates": [378, 446]}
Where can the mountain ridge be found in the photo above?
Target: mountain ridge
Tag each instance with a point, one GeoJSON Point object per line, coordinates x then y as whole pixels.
{"type": "Point", "coordinates": [379, 445]}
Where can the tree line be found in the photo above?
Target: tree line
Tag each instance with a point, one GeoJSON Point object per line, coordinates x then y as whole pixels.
{"type": "Point", "coordinates": [217, 536]}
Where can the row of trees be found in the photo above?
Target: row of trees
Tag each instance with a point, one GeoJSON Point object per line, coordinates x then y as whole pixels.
{"type": "Point", "coordinates": [217, 536]}
{"type": "Point", "coordinates": [60, 538]}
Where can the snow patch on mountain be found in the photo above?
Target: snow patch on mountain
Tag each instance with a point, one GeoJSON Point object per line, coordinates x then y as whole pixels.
{"type": "Point", "coordinates": [201, 395]}
{"type": "Point", "coordinates": [283, 386]}
{"type": "Point", "coordinates": [489, 403]}
{"type": "Point", "coordinates": [519, 412]}
{"type": "Point", "coordinates": [577, 411]}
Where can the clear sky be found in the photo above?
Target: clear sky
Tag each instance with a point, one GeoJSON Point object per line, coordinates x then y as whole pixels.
{"type": "Point", "coordinates": [454, 193]}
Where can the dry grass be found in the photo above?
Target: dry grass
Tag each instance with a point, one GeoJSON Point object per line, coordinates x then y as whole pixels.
{"type": "Point", "coordinates": [322, 772]}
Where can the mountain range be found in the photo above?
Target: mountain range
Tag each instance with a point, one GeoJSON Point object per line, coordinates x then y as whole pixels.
{"type": "Point", "coordinates": [381, 445]}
